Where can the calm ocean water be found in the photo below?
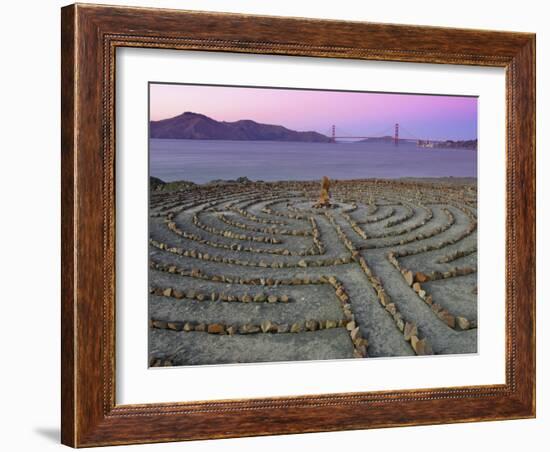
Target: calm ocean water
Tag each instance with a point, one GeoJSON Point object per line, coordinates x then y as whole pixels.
{"type": "Point", "coordinates": [205, 160]}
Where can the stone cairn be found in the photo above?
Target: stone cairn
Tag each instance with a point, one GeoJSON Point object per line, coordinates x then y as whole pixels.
{"type": "Point", "coordinates": [324, 196]}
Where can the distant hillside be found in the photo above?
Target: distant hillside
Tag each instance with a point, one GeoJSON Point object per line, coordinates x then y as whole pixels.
{"type": "Point", "coordinates": [194, 126]}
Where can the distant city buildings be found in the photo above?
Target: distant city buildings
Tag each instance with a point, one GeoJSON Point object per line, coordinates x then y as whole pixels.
{"type": "Point", "coordinates": [448, 144]}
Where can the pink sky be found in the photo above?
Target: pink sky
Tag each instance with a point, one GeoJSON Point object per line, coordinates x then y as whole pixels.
{"type": "Point", "coordinates": [366, 114]}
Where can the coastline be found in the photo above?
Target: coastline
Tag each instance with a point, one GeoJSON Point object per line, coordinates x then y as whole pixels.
{"type": "Point", "coordinates": [158, 184]}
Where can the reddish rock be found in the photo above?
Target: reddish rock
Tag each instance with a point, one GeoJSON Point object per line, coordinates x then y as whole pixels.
{"type": "Point", "coordinates": [216, 328]}
{"type": "Point", "coordinates": [421, 346]}
{"type": "Point", "coordinates": [421, 277]}
{"type": "Point", "coordinates": [448, 318]}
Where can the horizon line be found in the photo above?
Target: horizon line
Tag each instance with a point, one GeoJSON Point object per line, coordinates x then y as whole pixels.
{"type": "Point", "coordinates": [288, 128]}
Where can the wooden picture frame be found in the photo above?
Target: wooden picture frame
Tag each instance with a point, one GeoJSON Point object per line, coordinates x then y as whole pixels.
{"type": "Point", "coordinates": [90, 36]}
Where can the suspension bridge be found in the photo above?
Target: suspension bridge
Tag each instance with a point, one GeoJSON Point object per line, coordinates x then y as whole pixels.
{"type": "Point", "coordinates": [392, 133]}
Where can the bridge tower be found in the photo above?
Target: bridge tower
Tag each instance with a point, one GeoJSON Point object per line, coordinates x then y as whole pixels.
{"type": "Point", "coordinates": [333, 133]}
{"type": "Point", "coordinates": [396, 135]}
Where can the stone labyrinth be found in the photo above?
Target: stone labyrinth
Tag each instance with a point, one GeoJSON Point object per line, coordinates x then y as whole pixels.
{"type": "Point", "coordinates": [250, 272]}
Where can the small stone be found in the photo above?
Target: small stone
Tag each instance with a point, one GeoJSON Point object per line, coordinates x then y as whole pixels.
{"type": "Point", "coordinates": [284, 298]}
{"type": "Point", "coordinates": [351, 326]}
{"type": "Point", "coordinates": [259, 297]}
{"type": "Point", "coordinates": [200, 327]}
{"type": "Point", "coordinates": [463, 323]}
{"type": "Point", "coordinates": [417, 287]}
{"type": "Point", "coordinates": [252, 329]}
{"type": "Point", "coordinates": [360, 351]}
{"type": "Point", "coordinates": [231, 330]}
{"type": "Point", "coordinates": [283, 328]}
{"type": "Point", "coordinates": [167, 292]}
{"type": "Point", "coordinates": [272, 299]}
{"type": "Point", "coordinates": [409, 277]}
{"type": "Point", "coordinates": [399, 322]}
{"type": "Point", "coordinates": [355, 333]}
{"type": "Point", "coordinates": [200, 297]}
{"type": "Point", "coordinates": [421, 346]}
{"type": "Point", "coordinates": [246, 298]}
{"type": "Point", "coordinates": [178, 294]}
{"type": "Point", "coordinates": [422, 294]}
{"type": "Point", "coordinates": [448, 318]}
{"type": "Point", "coordinates": [302, 263]}
{"type": "Point", "coordinates": [391, 308]}
{"type": "Point", "coordinates": [421, 277]}
{"type": "Point", "coordinates": [216, 328]}
{"type": "Point", "coordinates": [331, 324]}
{"type": "Point", "coordinates": [384, 298]}
{"type": "Point", "coordinates": [296, 327]}
{"type": "Point", "coordinates": [159, 324]}
{"type": "Point", "coordinates": [410, 330]}
{"type": "Point", "coordinates": [312, 325]}
{"type": "Point", "coordinates": [266, 326]}
{"type": "Point", "coordinates": [175, 326]}
{"type": "Point", "coordinates": [188, 326]}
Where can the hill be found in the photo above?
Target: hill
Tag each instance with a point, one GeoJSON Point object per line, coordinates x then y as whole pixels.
{"type": "Point", "coordinates": [195, 126]}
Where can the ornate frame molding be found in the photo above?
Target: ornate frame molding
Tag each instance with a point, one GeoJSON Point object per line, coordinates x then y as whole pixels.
{"type": "Point", "coordinates": [90, 37]}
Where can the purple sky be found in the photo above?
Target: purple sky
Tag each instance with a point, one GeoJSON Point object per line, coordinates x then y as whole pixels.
{"type": "Point", "coordinates": [366, 114]}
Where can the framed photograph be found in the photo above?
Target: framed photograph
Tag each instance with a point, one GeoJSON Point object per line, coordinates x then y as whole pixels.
{"type": "Point", "coordinates": [282, 225]}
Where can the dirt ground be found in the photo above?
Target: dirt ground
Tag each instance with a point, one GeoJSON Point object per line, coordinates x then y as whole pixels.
{"type": "Point", "coordinates": [251, 272]}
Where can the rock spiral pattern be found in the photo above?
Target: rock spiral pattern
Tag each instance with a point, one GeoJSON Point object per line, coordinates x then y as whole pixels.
{"type": "Point", "coordinates": [251, 272]}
